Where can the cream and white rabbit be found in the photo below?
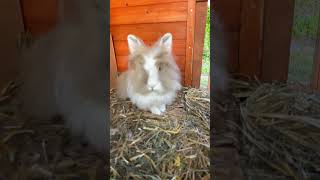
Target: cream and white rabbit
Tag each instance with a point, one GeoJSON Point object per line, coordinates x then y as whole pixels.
{"type": "Point", "coordinates": [153, 77]}
{"type": "Point", "coordinates": [65, 72]}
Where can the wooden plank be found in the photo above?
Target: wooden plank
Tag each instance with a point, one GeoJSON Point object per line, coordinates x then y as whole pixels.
{"type": "Point", "coordinates": [190, 42]}
{"type": "Point", "coordinates": [149, 32]}
{"type": "Point", "coordinates": [122, 62]}
{"type": "Point", "coordinates": [125, 3]}
{"type": "Point", "coordinates": [12, 22]}
{"type": "Point", "coordinates": [113, 65]}
{"type": "Point", "coordinates": [170, 12]}
{"type": "Point", "coordinates": [251, 37]}
{"type": "Point", "coordinates": [316, 61]}
{"type": "Point", "coordinates": [39, 16]}
{"type": "Point", "coordinates": [200, 27]}
{"type": "Point", "coordinates": [229, 13]}
{"type": "Point", "coordinates": [277, 39]}
{"type": "Point", "coordinates": [121, 47]}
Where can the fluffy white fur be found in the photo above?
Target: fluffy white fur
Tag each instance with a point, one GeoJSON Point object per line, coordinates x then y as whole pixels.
{"type": "Point", "coordinates": [158, 97]}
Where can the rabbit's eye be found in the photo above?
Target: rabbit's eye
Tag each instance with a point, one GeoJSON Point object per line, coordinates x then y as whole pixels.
{"type": "Point", "coordinates": [159, 68]}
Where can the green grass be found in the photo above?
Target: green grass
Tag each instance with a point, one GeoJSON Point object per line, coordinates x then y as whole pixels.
{"type": "Point", "coordinates": [305, 27]}
{"type": "Point", "coordinates": [206, 54]}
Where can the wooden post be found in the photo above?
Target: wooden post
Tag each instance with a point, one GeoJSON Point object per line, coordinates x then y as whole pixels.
{"type": "Point", "coordinates": [251, 37]}
{"type": "Point", "coordinates": [113, 65]}
{"type": "Point", "coordinates": [316, 61]}
{"type": "Point", "coordinates": [189, 42]}
{"type": "Point", "coordinates": [278, 20]}
{"type": "Point", "coordinates": [12, 24]}
{"type": "Point", "coordinates": [200, 28]}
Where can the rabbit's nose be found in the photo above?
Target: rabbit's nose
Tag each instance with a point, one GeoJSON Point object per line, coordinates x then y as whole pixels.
{"type": "Point", "coordinates": [151, 88]}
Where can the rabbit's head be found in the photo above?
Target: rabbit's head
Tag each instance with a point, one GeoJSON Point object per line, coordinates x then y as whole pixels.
{"type": "Point", "coordinates": [152, 69]}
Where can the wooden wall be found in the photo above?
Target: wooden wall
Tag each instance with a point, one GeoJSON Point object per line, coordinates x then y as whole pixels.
{"type": "Point", "coordinates": [150, 19]}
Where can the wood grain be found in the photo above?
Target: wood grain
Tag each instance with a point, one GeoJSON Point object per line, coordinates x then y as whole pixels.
{"type": "Point", "coordinates": [113, 65]}
{"type": "Point", "coordinates": [150, 32]}
{"type": "Point", "coordinates": [125, 3]}
{"type": "Point", "coordinates": [121, 47]}
{"type": "Point", "coordinates": [170, 12]}
{"type": "Point", "coordinates": [200, 27]}
{"type": "Point", "coordinates": [250, 37]}
{"type": "Point", "coordinates": [122, 62]}
{"type": "Point", "coordinates": [277, 39]}
{"type": "Point", "coordinates": [190, 42]}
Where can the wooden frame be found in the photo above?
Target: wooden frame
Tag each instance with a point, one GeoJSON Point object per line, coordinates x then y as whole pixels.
{"type": "Point", "coordinates": [199, 34]}
{"type": "Point", "coordinates": [113, 65]}
{"type": "Point", "coordinates": [316, 61]}
{"type": "Point", "coordinates": [190, 42]}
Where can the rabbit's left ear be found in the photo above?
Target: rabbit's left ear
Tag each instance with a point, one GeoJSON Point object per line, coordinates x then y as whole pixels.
{"type": "Point", "coordinates": [166, 42]}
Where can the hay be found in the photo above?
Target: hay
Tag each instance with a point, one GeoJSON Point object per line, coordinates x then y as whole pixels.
{"type": "Point", "coordinates": [31, 149]}
{"type": "Point", "coordinates": [281, 130]}
{"type": "Point", "coordinates": [173, 146]}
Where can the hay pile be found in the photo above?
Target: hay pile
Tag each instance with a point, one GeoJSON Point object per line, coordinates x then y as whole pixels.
{"type": "Point", "coordinates": [281, 130]}
{"type": "Point", "coordinates": [173, 146]}
{"type": "Point", "coordinates": [41, 150]}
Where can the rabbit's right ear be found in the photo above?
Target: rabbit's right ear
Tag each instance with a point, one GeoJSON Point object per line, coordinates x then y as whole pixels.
{"type": "Point", "coordinates": [134, 43]}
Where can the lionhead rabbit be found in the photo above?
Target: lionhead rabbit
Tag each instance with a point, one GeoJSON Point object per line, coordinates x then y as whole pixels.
{"type": "Point", "coordinates": [153, 77]}
{"type": "Point", "coordinates": [65, 72]}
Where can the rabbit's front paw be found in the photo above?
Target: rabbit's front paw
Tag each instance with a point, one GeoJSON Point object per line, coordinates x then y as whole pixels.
{"type": "Point", "coordinates": [162, 108]}
{"type": "Point", "coordinates": [155, 110]}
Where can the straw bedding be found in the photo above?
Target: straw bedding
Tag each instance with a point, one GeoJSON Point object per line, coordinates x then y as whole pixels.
{"type": "Point", "coordinates": [41, 150]}
{"type": "Point", "coordinates": [281, 130]}
{"type": "Point", "coordinates": [173, 146]}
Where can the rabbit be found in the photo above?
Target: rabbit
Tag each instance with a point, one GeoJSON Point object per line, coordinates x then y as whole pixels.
{"type": "Point", "coordinates": [153, 77]}
{"type": "Point", "coordinates": [65, 73]}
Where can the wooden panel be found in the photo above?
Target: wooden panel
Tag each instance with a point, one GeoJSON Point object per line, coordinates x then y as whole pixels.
{"type": "Point", "coordinates": [121, 47]}
{"type": "Point", "coordinates": [277, 39]}
{"type": "Point", "coordinates": [229, 12]}
{"type": "Point", "coordinates": [12, 25]}
{"type": "Point", "coordinates": [39, 12]}
{"type": "Point", "coordinates": [170, 12]}
{"type": "Point", "coordinates": [190, 42]}
{"type": "Point", "coordinates": [149, 32]}
{"type": "Point", "coordinates": [122, 62]}
{"type": "Point", "coordinates": [125, 3]}
{"type": "Point", "coordinates": [200, 27]}
{"type": "Point", "coordinates": [316, 62]}
{"type": "Point", "coordinates": [251, 37]}
{"type": "Point", "coordinates": [113, 65]}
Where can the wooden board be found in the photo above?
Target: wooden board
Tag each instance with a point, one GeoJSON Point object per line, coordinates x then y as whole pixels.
{"type": "Point", "coordinates": [12, 24]}
{"type": "Point", "coordinates": [316, 62]}
{"type": "Point", "coordinates": [39, 16]}
{"type": "Point", "coordinates": [170, 12]}
{"type": "Point", "coordinates": [190, 42]}
{"type": "Point", "coordinates": [125, 3]}
{"type": "Point", "coordinates": [278, 22]}
{"type": "Point", "coordinates": [113, 65]}
{"type": "Point", "coordinates": [251, 37]}
{"type": "Point", "coordinates": [230, 15]}
{"type": "Point", "coordinates": [149, 32]}
{"type": "Point", "coordinates": [121, 47]}
{"type": "Point", "coordinates": [122, 62]}
{"type": "Point", "coordinates": [200, 27]}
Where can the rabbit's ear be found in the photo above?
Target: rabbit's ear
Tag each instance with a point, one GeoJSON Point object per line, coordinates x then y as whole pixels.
{"type": "Point", "coordinates": [134, 43]}
{"type": "Point", "coordinates": [166, 42]}
{"type": "Point", "coordinates": [73, 10]}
